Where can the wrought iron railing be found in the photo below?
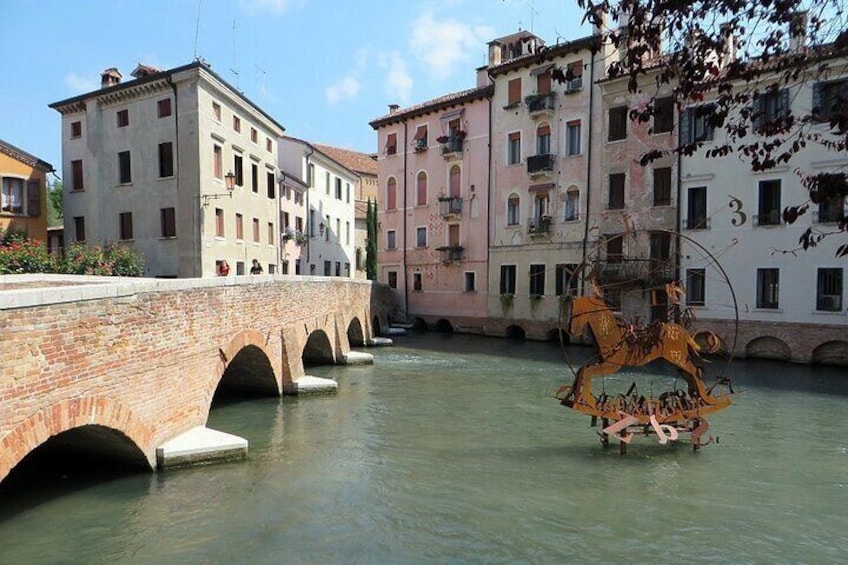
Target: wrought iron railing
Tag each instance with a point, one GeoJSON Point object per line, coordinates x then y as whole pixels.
{"type": "Point", "coordinates": [450, 206]}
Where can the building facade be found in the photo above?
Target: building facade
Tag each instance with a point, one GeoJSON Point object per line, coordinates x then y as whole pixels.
{"type": "Point", "coordinates": [177, 164]}
{"type": "Point", "coordinates": [23, 192]}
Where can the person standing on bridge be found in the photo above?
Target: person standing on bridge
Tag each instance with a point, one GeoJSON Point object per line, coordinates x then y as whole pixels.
{"type": "Point", "coordinates": [223, 268]}
{"type": "Point", "coordinates": [256, 268]}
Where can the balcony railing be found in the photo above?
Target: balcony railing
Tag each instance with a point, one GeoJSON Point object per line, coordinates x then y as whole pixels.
{"type": "Point", "coordinates": [540, 102]}
{"type": "Point", "coordinates": [451, 146]}
{"type": "Point", "coordinates": [828, 215]}
{"type": "Point", "coordinates": [574, 85]}
{"type": "Point", "coordinates": [451, 253]}
{"type": "Point", "coordinates": [696, 223]}
{"type": "Point", "coordinates": [540, 163]}
{"type": "Point", "coordinates": [450, 206]}
{"type": "Point", "coordinates": [770, 218]}
{"type": "Point", "coordinates": [537, 225]}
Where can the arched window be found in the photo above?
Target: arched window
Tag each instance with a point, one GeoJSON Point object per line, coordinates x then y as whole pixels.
{"type": "Point", "coordinates": [421, 193]}
{"type": "Point", "coordinates": [543, 140]}
{"type": "Point", "coordinates": [391, 194]}
{"type": "Point", "coordinates": [455, 182]}
{"type": "Point", "coordinates": [513, 208]}
{"type": "Point", "coordinates": [571, 210]}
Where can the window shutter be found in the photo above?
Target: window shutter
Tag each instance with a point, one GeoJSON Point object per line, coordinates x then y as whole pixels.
{"type": "Point", "coordinates": [34, 198]}
{"type": "Point", "coordinates": [784, 103]}
{"type": "Point", "coordinates": [818, 111]}
{"type": "Point", "coordinates": [757, 109]}
{"type": "Point", "coordinates": [686, 125]}
{"type": "Point", "coordinates": [514, 92]}
{"type": "Point", "coordinates": [543, 130]}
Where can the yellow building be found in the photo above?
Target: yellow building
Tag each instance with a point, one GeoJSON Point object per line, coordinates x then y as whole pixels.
{"type": "Point", "coordinates": [23, 191]}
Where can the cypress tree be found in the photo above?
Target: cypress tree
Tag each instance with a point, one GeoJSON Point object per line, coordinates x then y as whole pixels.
{"type": "Point", "coordinates": [371, 245]}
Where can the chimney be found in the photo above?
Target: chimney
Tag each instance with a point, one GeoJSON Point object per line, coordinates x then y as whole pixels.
{"type": "Point", "coordinates": [393, 108]}
{"type": "Point", "coordinates": [729, 47]}
{"type": "Point", "coordinates": [599, 25]}
{"type": "Point", "coordinates": [110, 77]}
{"type": "Point", "coordinates": [797, 32]}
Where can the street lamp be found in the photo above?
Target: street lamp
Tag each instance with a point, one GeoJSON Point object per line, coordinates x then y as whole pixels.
{"type": "Point", "coordinates": [230, 180]}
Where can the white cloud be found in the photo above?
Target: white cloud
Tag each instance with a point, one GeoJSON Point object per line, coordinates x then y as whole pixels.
{"type": "Point", "coordinates": [345, 88]}
{"type": "Point", "coordinates": [398, 80]}
{"type": "Point", "coordinates": [79, 84]}
{"type": "Point", "coordinates": [443, 46]}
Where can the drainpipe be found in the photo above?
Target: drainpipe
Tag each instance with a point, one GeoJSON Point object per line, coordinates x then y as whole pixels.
{"type": "Point", "coordinates": [278, 200]}
{"type": "Point", "coordinates": [197, 264]}
{"type": "Point", "coordinates": [589, 160]}
{"type": "Point", "coordinates": [405, 277]}
{"type": "Point", "coordinates": [306, 219]}
{"type": "Point", "coordinates": [489, 185]}
{"type": "Point", "coordinates": [678, 220]}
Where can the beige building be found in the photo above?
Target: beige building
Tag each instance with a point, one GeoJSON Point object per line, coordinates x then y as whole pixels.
{"type": "Point", "coordinates": [177, 164]}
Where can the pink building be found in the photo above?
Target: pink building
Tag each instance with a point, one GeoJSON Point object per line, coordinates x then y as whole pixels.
{"type": "Point", "coordinates": [434, 209]}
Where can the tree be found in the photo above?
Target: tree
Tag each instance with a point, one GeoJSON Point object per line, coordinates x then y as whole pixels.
{"type": "Point", "coordinates": [371, 244]}
{"type": "Point", "coordinates": [55, 203]}
{"type": "Point", "coordinates": [738, 54]}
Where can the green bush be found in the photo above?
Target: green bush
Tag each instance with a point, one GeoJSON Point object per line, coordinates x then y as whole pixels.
{"type": "Point", "coordinates": [26, 256]}
{"type": "Point", "coordinates": [20, 255]}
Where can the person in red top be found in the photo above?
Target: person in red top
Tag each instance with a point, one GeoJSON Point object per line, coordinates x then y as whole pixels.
{"type": "Point", "coordinates": [223, 268]}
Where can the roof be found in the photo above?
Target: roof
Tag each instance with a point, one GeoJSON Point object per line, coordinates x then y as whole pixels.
{"type": "Point", "coordinates": [433, 105]}
{"type": "Point", "coordinates": [154, 76]}
{"type": "Point", "coordinates": [317, 148]}
{"type": "Point", "coordinates": [544, 54]}
{"type": "Point", "coordinates": [24, 157]}
{"type": "Point", "coordinates": [354, 160]}
{"type": "Point", "coordinates": [511, 38]}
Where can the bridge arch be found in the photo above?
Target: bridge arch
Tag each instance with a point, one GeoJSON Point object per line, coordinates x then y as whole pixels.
{"type": "Point", "coordinates": [246, 366]}
{"type": "Point", "coordinates": [768, 347]}
{"type": "Point", "coordinates": [443, 325]}
{"type": "Point", "coordinates": [515, 332]}
{"type": "Point", "coordinates": [129, 436]}
{"type": "Point", "coordinates": [355, 332]}
{"type": "Point", "coordinates": [318, 349]}
{"type": "Point", "coordinates": [831, 353]}
{"type": "Point", "coordinates": [559, 335]}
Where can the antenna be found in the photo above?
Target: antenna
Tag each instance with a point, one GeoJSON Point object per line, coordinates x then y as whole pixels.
{"type": "Point", "coordinates": [234, 68]}
{"type": "Point", "coordinates": [533, 13]}
{"type": "Point", "coordinates": [197, 29]}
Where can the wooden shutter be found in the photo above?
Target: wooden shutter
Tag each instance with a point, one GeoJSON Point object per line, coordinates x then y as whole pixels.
{"type": "Point", "coordinates": [34, 198]}
{"type": "Point", "coordinates": [543, 130]}
{"type": "Point", "coordinates": [543, 83]}
{"type": "Point", "coordinates": [514, 91]}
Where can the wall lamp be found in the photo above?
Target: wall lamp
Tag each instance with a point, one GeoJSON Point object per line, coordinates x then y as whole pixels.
{"type": "Point", "coordinates": [230, 179]}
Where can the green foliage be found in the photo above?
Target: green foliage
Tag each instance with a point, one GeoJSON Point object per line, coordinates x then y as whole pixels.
{"type": "Point", "coordinates": [507, 300]}
{"type": "Point", "coordinates": [19, 255]}
{"type": "Point", "coordinates": [55, 204]}
{"type": "Point", "coordinates": [371, 244]}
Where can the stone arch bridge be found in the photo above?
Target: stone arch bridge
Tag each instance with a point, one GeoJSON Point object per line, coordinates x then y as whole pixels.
{"type": "Point", "coordinates": [138, 361]}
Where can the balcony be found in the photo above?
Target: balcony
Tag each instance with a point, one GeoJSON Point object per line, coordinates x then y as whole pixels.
{"type": "Point", "coordinates": [539, 104]}
{"type": "Point", "coordinates": [574, 85]}
{"type": "Point", "coordinates": [540, 225]}
{"type": "Point", "coordinates": [451, 253]}
{"type": "Point", "coordinates": [451, 146]}
{"type": "Point", "coordinates": [540, 164]}
{"type": "Point", "coordinates": [696, 223]}
{"type": "Point", "coordinates": [828, 215]}
{"type": "Point", "coordinates": [450, 206]}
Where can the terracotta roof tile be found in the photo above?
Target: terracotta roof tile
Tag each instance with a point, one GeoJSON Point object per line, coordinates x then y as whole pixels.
{"type": "Point", "coordinates": [356, 161]}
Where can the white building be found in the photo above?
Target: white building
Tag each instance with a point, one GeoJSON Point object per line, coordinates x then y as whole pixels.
{"type": "Point", "coordinates": [147, 163]}
{"type": "Point", "coordinates": [329, 249]}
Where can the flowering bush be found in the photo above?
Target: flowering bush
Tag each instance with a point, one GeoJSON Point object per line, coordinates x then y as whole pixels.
{"type": "Point", "coordinates": [22, 255]}
{"type": "Point", "coordinates": [26, 256]}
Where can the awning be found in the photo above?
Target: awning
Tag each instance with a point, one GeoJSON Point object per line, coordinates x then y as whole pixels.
{"type": "Point", "coordinates": [541, 70]}
{"type": "Point", "coordinates": [420, 133]}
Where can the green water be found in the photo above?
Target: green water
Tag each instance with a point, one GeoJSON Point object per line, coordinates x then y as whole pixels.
{"type": "Point", "coordinates": [450, 450]}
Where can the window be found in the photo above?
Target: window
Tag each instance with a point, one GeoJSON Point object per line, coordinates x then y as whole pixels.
{"type": "Point", "coordinates": [338, 188]}
{"type": "Point", "coordinates": [391, 239]}
{"type": "Point", "coordinates": [391, 277]}
{"type": "Point", "coordinates": [455, 181]}
{"type": "Point", "coordinates": [166, 159]}
{"type": "Point", "coordinates": [269, 146]}
{"type": "Point", "coordinates": [613, 298]}
{"type": "Point", "coordinates": [512, 211]}
{"type": "Point", "coordinates": [13, 195]}
{"type": "Point", "coordinates": [696, 210]}
{"type": "Point", "coordinates": [347, 269]}
{"type": "Point", "coordinates": [419, 142]}
{"type": "Point", "coordinates": [514, 92]}
{"type": "Point", "coordinates": [663, 115]}
{"type": "Point", "coordinates": [768, 211]}
{"type": "Point", "coordinates": [417, 281]}
{"type": "Point", "coordinates": [507, 279]}
{"type": "Point", "coordinates": [76, 130]}
{"type": "Point", "coordinates": [216, 111]}
{"type": "Point", "coordinates": [270, 233]}
{"type": "Point", "coordinates": [470, 281]}
{"type": "Point", "coordinates": [217, 162]}
{"type": "Point", "coordinates": [543, 82]}
{"type": "Point", "coordinates": [338, 229]}
{"type": "Point", "coordinates": [695, 124]}
{"type": "Point", "coordinates": [256, 230]}
{"type": "Point", "coordinates": [168, 222]}
{"type": "Point", "coordinates": [126, 227]}
{"type": "Point", "coordinates": [696, 287]}
{"type": "Point", "coordinates": [238, 165]}
{"type": "Point", "coordinates": [831, 209]}
{"type": "Point", "coordinates": [537, 280]}
{"type": "Point", "coordinates": [421, 189]}
{"type": "Point", "coordinates": [543, 140]}
{"type": "Point", "coordinates": [270, 184]}
{"type": "Point", "coordinates": [662, 186]}
{"type": "Point", "coordinates": [391, 144]}
{"type": "Point", "coordinates": [327, 229]}
{"type": "Point", "coordinates": [391, 194]}
{"type": "Point", "coordinates": [219, 222]}
{"type": "Point", "coordinates": [616, 191]}
{"type": "Point", "coordinates": [327, 183]}
{"type": "Point", "coordinates": [615, 248]}
{"type": "Point", "coordinates": [347, 233]}
{"type": "Point", "coordinates": [617, 123]}
{"type": "Point", "coordinates": [770, 109]}
{"type": "Point", "coordinates": [163, 107]}
{"type": "Point", "coordinates": [572, 138]}
{"type": "Point", "coordinates": [347, 192]}
{"type": "Point", "coordinates": [567, 280]}
{"type": "Point", "coordinates": [254, 135]}
{"type": "Point", "coordinates": [830, 99]}
{"type": "Point", "coordinates": [571, 211]}
{"type": "Point", "coordinates": [829, 290]}
{"type": "Point", "coordinates": [338, 266]}
{"type": "Point", "coordinates": [272, 268]}
{"type": "Point", "coordinates": [79, 228]}
{"type": "Point", "coordinates": [768, 284]}
{"type": "Point", "coordinates": [239, 267]}
{"type": "Point", "coordinates": [239, 226]}
{"type": "Point", "coordinates": [254, 177]}
{"type": "Point", "coordinates": [513, 148]}
{"type": "Point", "coordinates": [124, 167]}
{"type": "Point", "coordinates": [123, 118]}
{"type": "Point", "coordinates": [660, 251]}
{"type": "Point", "coordinates": [310, 175]}
{"type": "Point", "coordinates": [236, 124]}
{"type": "Point", "coordinates": [421, 237]}
{"type": "Point", "coordinates": [77, 176]}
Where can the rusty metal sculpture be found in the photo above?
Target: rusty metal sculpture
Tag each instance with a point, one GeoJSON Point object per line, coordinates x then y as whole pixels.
{"type": "Point", "coordinates": [667, 415]}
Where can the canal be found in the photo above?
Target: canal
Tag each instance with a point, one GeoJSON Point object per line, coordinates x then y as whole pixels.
{"type": "Point", "coordinates": [450, 449]}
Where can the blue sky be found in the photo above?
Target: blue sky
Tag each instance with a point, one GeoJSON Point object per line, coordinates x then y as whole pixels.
{"type": "Point", "coordinates": [322, 68]}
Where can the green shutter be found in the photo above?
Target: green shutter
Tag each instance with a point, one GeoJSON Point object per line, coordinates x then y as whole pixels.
{"type": "Point", "coordinates": [686, 125]}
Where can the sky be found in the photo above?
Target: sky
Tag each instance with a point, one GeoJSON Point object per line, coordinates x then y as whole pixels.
{"type": "Point", "coordinates": [321, 68]}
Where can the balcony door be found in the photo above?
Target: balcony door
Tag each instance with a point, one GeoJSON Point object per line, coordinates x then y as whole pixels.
{"type": "Point", "coordinates": [453, 235]}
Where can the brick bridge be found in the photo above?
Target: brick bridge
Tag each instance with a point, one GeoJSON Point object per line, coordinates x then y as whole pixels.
{"type": "Point", "coordinates": [126, 365]}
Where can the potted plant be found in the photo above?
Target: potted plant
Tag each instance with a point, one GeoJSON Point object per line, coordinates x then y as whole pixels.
{"type": "Point", "coordinates": [442, 139]}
